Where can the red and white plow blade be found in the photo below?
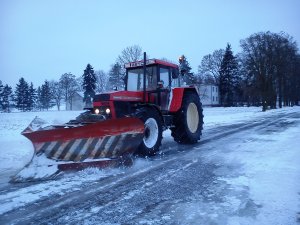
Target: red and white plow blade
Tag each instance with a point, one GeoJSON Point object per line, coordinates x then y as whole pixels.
{"type": "Point", "coordinates": [64, 147]}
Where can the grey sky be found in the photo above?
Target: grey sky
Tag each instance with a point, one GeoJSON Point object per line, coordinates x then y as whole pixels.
{"type": "Point", "coordinates": [43, 39]}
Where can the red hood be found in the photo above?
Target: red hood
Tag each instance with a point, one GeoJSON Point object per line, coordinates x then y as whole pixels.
{"type": "Point", "coordinates": [128, 96]}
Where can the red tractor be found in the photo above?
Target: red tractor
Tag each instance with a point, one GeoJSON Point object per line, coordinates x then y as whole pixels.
{"type": "Point", "coordinates": [120, 123]}
{"type": "Point", "coordinates": [153, 93]}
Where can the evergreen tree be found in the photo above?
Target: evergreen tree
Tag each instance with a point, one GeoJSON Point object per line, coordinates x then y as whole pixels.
{"type": "Point", "coordinates": [1, 92]}
{"type": "Point", "coordinates": [6, 97]}
{"type": "Point", "coordinates": [115, 80]}
{"type": "Point", "coordinates": [184, 68]}
{"type": "Point", "coordinates": [89, 84]}
{"type": "Point", "coordinates": [31, 97]}
{"type": "Point", "coordinates": [45, 96]}
{"type": "Point", "coordinates": [21, 93]}
{"type": "Point", "coordinates": [39, 98]}
{"type": "Point", "coordinates": [228, 77]}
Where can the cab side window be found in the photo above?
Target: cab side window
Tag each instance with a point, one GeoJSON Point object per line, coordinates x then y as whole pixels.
{"type": "Point", "coordinates": [164, 76]}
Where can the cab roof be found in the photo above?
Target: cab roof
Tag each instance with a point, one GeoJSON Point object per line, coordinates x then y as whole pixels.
{"type": "Point", "coordinates": [150, 62]}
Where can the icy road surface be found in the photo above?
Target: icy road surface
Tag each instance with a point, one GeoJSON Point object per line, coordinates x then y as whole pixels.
{"type": "Point", "coordinates": [245, 170]}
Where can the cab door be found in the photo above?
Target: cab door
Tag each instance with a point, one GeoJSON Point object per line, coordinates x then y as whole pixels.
{"type": "Point", "coordinates": [164, 82]}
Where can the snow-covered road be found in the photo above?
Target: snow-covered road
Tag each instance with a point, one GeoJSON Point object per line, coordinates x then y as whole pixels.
{"type": "Point", "coordinates": [245, 170]}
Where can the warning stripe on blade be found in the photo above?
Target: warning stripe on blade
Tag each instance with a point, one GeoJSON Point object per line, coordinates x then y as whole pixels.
{"type": "Point", "coordinates": [53, 148]}
{"type": "Point", "coordinates": [92, 148]}
{"type": "Point", "coordinates": [104, 152]}
{"type": "Point", "coordinates": [110, 153]}
{"type": "Point", "coordinates": [119, 145]}
{"type": "Point", "coordinates": [77, 150]}
{"type": "Point", "coordinates": [100, 147]}
{"type": "Point", "coordinates": [69, 152]}
{"type": "Point", "coordinates": [89, 149]}
{"type": "Point", "coordinates": [56, 154]}
{"type": "Point", "coordinates": [67, 149]}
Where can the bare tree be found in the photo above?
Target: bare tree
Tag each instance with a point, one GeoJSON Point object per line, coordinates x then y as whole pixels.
{"type": "Point", "coordinates": [56, 90]}
{"type": "Point", "coordinates": [130, 54]}
{"type": "Point", "coordinates": [270, 60]}
{"type": "Point", "coordinates": [209, 70]}
{"type": "Point", "coordinates": [79, 81]}
{"type": "Point", "coordinates": [69, 86]}
{"type": "Point", "coordinates": [102, 80]}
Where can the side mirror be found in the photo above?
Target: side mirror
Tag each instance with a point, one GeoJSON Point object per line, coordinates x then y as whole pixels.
{"type": "Point", "coordinates": [175, 73]}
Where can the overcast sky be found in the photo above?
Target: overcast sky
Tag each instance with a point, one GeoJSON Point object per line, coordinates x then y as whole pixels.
{"type": "Point", "coordinates": [41, 40]}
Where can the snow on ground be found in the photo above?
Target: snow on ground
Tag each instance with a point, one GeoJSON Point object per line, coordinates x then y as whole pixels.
{"type": "Point", "coordinates": [272, 174]}
{"type": "Point", "coordinates": [263, 165]}
{"type": "Point", "coordinates": [273, 184]}
{"type": "Point", "coordinates": [16, 150]}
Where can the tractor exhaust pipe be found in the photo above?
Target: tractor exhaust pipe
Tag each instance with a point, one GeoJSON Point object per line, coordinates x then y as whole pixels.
{"type": "Point", "coordinates": [144, 78]}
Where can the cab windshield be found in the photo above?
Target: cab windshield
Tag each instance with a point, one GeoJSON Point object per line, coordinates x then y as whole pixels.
{"type": "Point", "coordinates": [135, 78]}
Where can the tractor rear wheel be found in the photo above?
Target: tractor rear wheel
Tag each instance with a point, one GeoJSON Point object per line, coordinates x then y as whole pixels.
{"type": "Point", "coordinates": [152, 133]}
{"type": "Point", "coordinates": [188, 121]}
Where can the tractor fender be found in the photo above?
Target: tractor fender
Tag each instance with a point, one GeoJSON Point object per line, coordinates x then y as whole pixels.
{"type": "Point", "coordinates": [177, 96]}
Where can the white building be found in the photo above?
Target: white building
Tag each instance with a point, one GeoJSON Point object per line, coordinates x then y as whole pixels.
{"type": "Point", "coordinates": [209, 95]}
{"type": "Point", "coordinates": [77, 102]}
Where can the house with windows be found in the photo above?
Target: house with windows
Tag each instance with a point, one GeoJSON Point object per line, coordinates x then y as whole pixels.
{"type": "Point", "coordinates": [209, 95]}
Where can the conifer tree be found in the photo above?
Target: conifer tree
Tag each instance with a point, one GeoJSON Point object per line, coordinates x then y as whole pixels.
{"type": "Point", "coordinates": [1, 93]}
{"type": "Point", "coordinates": [185, 69]}
{"type": "Point", "coordinates": [21, 93]}
{"type": "Point", "coordinates": [89, 84]}
{"type": "Point", "coordinates": [31, 97]}
{"type": "Point", "coordinates": [39, 98]}
{"type": "Point", "coordinates": [6, 97]}
{"type": "Point", "coordinates": [228, 77]}
{"type": "Point", "coordinates": [46, 96]}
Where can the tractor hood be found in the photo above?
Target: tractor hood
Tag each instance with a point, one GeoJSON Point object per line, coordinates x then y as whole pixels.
{"type": "Point", "coordinates": [128, 96]}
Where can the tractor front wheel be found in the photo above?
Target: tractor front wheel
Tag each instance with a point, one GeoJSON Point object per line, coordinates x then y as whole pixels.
{"type": "Point", "coordinates": [152, 133]}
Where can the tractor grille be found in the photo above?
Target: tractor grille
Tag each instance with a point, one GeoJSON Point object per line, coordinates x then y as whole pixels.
{"type": "Point", "coordinates": [123, 108]}
{"type": "Point", "coordinates": [101, 97]}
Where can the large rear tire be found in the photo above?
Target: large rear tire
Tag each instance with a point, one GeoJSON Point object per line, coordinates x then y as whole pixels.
{"type": "Point", "coordinates": [188, 121]}
{"type": "Point", "coordinates": [153, 131]}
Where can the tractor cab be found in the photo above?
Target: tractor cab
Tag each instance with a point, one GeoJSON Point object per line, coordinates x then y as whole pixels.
{"type": "Point", "coordinates": [159, 74]}
{"type": "Point", "coordinates": [155, 79]}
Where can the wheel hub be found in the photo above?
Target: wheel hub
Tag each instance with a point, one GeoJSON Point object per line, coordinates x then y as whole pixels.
{"type": "Point", "coordinates": [150, 133]}
{"type": "Point", "coordinates": [192, 117]}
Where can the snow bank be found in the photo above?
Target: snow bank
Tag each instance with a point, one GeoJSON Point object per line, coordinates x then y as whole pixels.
{"type": "Point", "coordinates": [16, 150]}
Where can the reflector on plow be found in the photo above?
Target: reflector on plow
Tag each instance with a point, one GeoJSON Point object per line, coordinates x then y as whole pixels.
{"type": "Point", "coordinates": [77, 146]}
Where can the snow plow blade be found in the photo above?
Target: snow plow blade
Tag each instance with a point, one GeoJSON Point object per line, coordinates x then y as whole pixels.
{"type": "Point", "coordinates": [107, 143]}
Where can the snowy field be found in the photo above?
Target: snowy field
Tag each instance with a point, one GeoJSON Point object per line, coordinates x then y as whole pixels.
{"type": "Point", "coordinates": [270, 169]}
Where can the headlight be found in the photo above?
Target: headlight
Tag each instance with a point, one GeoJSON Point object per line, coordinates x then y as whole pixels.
{"type": "Point", "coordinates": [107, 111]}
{"type": "Point", "coordinates": [97, 111]}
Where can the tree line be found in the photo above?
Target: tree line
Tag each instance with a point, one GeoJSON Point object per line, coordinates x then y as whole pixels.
{"type": "Point", "coordinates": [25, 97]}
{"type": "Point", "coordinates": [265, 73]}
